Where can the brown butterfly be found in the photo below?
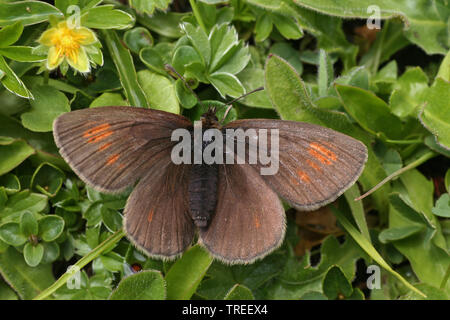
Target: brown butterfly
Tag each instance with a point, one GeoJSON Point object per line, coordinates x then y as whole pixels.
{"type": "Point", "coordinates": [236, 210]}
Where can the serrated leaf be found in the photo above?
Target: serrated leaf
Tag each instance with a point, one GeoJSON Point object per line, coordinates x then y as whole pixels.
{"type": "Point", "coordinates": [226, 84]}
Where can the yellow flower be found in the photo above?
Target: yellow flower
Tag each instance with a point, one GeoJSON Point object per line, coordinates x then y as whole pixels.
{"type": "Point", "coordinates": [68, 44]}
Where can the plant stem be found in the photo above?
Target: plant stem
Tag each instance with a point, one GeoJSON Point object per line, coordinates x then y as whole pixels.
{"type": "Point", "coordinates": [404, 141]}
{"type": "Point", "coordinates": [197, 14]}
{"type": "Point", "coordinates": [412, 165]}
{"type": "Point", "coordinates": [105, 245]}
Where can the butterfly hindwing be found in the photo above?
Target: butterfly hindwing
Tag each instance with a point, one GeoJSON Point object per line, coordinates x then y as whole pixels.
{"type": "Point", "coordinates": [111, 147]}
{"type": "Point", "coordinates": [157, 218]}
{"type": "Point", "coordinates": [316, 164]}
{"type": "Point", "coordinates": [249, 221]}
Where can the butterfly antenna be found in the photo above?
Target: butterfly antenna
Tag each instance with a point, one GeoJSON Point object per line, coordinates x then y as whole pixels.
{"type": "Point", "coordinates": [172, 69]}
{"type": "Point", "coordinates": [230, 104]}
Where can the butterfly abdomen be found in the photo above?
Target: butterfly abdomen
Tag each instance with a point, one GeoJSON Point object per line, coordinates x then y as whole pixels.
{"type": "Point", "coordinates": [203, 193]}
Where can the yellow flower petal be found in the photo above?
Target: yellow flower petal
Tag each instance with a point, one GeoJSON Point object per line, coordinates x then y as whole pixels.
{"type": "Point", "coordinates": [87, 36]}
{"type": "Point", "coordinates": [54, 58]}
{"type": "Point", "coordinates": [47, 36]}
{"type": "Point", "coordinates": [79, 61]}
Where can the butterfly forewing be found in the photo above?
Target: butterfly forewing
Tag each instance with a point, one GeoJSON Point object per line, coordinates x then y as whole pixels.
{"type": "Point", "coordinates": [111, 147]}
{"type": "Point", "coordinates": [316, 164]}
{"type": "Point", "coordinates": [249, 221]}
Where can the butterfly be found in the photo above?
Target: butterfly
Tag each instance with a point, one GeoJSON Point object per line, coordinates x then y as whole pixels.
{"type": "Point", "coordinates": [235, 210]}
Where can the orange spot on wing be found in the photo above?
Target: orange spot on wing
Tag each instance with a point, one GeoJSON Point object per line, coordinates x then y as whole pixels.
{"type": "Point", "coordinates": [303, 175]}
{"type": "Point", "coordinates": [319, 156]}
{"type": "Point", "coordinates": [100, 137]}
{"type": "Point", "coordinates": [94, 131]}
{"type": "Point", "coordinates": [257, 223]}
{"type": "Point", "coordinates": [112, 159]}
{"type": "Point", "coordinates": [150, 215]}
{"type": "Point", "coordinates": [328, 153]}
{"type": "Point", "coordinates": [105, 146]}
{"type": "Point", "coordinates": [313, 165]}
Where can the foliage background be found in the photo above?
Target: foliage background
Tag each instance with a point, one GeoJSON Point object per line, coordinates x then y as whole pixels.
{"type": "Point", "coordinates": [389, 88]}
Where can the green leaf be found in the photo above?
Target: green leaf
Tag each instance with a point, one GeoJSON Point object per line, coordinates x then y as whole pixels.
{"type": "Point", "coordinates": [125, 66]}
{"type": "Point", "coordinates": [185, 275]}
{"type": "Point", "coordinates": [426, 25]}
{"type": "Point", "coordinates": [371, 112]}
{"type": "Point", "coordinates": [10, 233]}
{"type": "Point", "coordinates": [21, 202]}
{"type": "Point", "coordinates": [13, 154]}
{"type": "Point", "coordinates": [436, 114]}
{"type": "Point", "coordinates": [239, 292]}
{"type": "Point", "coordinates": [409, 93]}
{"type": "Point", "coordinates": [22, 54]}
{"type": "Point", "coordinates": [222, 39]}
{"type": "Point", "coordinates": [442, 207]}
{"type": "Point", "coordinates": [252, 78]}
{"type": "Point", "coordinates": [28, 224]}
{"type": "Point", "coordinates": [226, 84]}
{"type": "Point", "coordinates": [47, 179]}
{"type": "Point", "coordinates": [51, 227]}
{"type": "Point", "coordinates": [159, 90]}
{"type": "Point", "coordinates": [325, 73]}
{"type": "Point", "coordinates": [108, 99]}
{"type": "Point", "coordinates": [10, 182]}
{"type": "Point", "coordinates": [297, 279]}
{"type": "Point", "coordinates": [184, 96]}
{"type": "Point", "coordinates": [10, 34]}
{"type": "Point", "coordinates": [335, 283]}
{"type": "Point", "coordinates": [27, 12]}
{"type": "Point", "coordinates": [26, 281]}
{"type": "Point", "coordinates": [394, 234]}
{"type": "Point", "coordinates": [145, 285]}
{"type": "Point", "coordinates": [199, 40]}
{"type": "Point", "coordinates": [11, 81]}
{"type": "Point", "coordinates": [153, 60]}
{"type": "Point", "coordinates": [137, 39]}
{"type": "Point", "coordinates": [357, 210]}
{"type": "Point", "coordinates": [33, 254]}
{"type": "Point", "coordinates": [48, 104]}
{"type": "Point", "coordinates": [164, 23]}
{"type": "Point", "coordinates": [106, 17]}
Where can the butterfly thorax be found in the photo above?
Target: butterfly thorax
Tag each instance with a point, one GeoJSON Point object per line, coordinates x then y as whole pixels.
{"type": "Point", "coordinates": [203, 180]}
